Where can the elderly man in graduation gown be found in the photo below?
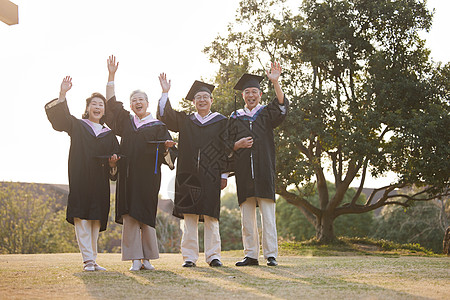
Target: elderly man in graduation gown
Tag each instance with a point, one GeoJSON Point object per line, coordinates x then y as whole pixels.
{"type": "Point", "coordinates": [251, 133]}
{"type": "Point", "coordinates": [201, 169]}
{"type": "Point", "coordinates": [145, 143]}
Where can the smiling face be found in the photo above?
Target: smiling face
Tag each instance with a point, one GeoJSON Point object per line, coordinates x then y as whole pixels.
{"type": "Point", "coordinates": [252, 97]}
{"type": "Point", "coordinates": [202, 102]}
{"type": "Point", "coordinates": [96, 109]}
{"type": "Point", "coordinates": [139, 104]}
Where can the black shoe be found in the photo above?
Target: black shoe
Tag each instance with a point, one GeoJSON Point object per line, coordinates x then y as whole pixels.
{"type": "Point", "coordinates": [247, 261]}
{"type": "Point", "coordinates": [271, 261]}
{"type": "Point", "coordinates": [188, 264]}
{"type": "Point", "coordinates": [215, 263]}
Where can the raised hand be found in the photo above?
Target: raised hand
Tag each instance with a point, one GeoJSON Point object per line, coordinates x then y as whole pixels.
{"type": "Point", "coordinates": [66, 85]}
{"type": "Point", "coordinates": [275, 72]}
{"type": "Point", "coordinates": [112, 67]}
{"type": "Point", "coordinates": [112, 64]}
{"type": "Point", "coordinates": [165, 85]}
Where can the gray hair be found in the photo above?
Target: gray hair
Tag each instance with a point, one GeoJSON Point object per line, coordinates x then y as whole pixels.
{"type": "Point", "coordinates": [136, 92]}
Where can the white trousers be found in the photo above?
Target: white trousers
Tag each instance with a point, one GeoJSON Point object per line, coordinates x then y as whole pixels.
{"type": "Point", "coordinates": [189, 241]}
{"type": "Point", "coordinates": [139, 240]}
{"type": "Point", "coordinates": [250, 236]}
{"type": "Point", "coordinates": [86, 232]}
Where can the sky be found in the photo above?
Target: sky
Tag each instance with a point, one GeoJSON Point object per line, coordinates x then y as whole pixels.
{"type": "Point", "coordinates": [55, 38]}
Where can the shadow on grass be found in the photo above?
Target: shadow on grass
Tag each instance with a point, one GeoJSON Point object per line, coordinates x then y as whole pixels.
{"type": "Point", "coordinates": [284, 281]}
{"type": "Point", "coordinates": [203, 282]}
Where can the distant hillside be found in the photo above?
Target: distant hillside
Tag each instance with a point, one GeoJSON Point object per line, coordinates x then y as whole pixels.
{"type": "Point", "coordinates": [32, 220]}
{"type": "Point", "coordinates": [61, 192]}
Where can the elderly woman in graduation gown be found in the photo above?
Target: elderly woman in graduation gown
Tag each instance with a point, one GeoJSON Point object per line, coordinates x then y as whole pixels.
{"type": "Point", "coordinates": [92, 162]}
{"type": "Point", "coordinates": [145, 144]}
{"type": "Point", "coordinates": [201, 169]}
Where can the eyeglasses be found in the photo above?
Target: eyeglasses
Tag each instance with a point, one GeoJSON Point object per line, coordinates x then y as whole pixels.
{"type": "Point", "coordinates": [204, 97]}
{"type": "Point", "coordinates": [136, 100]}
{"type": "Point", "coordinates": [248, 92]}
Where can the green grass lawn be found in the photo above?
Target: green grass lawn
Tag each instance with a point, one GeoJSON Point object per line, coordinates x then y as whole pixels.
{"type": "Point", "coordinates": [38, 276]}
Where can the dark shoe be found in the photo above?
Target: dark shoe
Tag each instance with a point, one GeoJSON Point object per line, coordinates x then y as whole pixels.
{"type": "Point", "coordinates": [271, 261]}
{"type": "Point", "coordinates": [247, 261]}
{"type": "Point", "coordinates": [188, 264]}
{"type": "Point", "coordinates": [215, 263]}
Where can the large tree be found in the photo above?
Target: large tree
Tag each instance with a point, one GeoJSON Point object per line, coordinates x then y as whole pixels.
{"type": "Point", "coordinates": [365, 99]}
{"type": "Point", "coordinates": [292, 224]}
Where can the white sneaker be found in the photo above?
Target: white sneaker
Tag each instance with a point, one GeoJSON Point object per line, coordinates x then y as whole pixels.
{"type": "Point", "coordinates": [147, 265]}
{"type": "Point", "coordinates": [136, 265]}
{"type": "Point", "coordinates": [98, 267]}
{"type": "Point", "coordinates": [89, 266]}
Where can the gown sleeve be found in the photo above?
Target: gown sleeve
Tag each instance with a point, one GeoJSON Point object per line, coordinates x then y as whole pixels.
{"type": "Point", "coordinates": [168, 158]}
{"type": "Point", "coordinates": [276, 112]}
{"type": "Point", "coordinates": [116, 115]}
{"type": "Point", "coordinates": [224, 143]}
{"type": "Point", "coordinates": [59, 116]}
{"type": "Point", "coordinates": [172, 118]}
{"type": "Point", "coordinates": [227, 165]}
{"type": "Point", "coordinates": [231, 136]}
{"type": "Point", "coordinates": [115, 150]}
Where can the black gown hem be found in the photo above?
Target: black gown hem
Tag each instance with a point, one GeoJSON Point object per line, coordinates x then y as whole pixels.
{"type": "Point", "coordinates": [103, 225]}
{"type": "Point", "coordinates": [201, 218]}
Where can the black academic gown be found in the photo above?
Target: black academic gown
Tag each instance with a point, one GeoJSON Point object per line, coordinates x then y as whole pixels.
{"type": "Point", "coordinates": [201, 161]}
{"type": "Point", "coordinates": [139, 176]}
{"type": "Point", "coordinates": [89, 171]}
{"type": "Point", "coordinates": [260, 159]}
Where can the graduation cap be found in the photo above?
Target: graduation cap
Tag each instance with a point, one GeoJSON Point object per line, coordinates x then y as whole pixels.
{"type": "Point", "coordinates": [248, 80]}
{"type": "Point", "coordinates": [199, 86]}
{"type": "Point", "coordinates": [157, 143]}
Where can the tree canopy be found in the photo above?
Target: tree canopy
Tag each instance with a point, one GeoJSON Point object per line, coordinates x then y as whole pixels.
{"type": "Point", "coordinates": [365, 98]}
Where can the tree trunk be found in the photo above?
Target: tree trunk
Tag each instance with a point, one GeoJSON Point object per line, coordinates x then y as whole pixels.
{"type": "Point", "coordinates": [324, 229]}
{"type": "Point", "coordinates": [446, 242]}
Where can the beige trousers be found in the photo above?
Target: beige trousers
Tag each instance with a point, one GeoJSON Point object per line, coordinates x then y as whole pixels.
{"type": "Point", "coordinates": [86, 232]}
{"type": "Point", "coordinates": [250, 236]}
{"type": "Point", "coordinates": [139, 240]}
{"type": "Point", "coordinates": [189, 241]}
